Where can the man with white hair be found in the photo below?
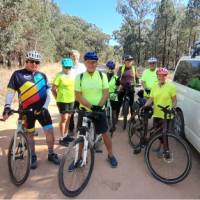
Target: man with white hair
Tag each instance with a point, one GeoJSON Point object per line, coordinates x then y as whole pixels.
{"type": "Point", "coordinates": [76, 70]}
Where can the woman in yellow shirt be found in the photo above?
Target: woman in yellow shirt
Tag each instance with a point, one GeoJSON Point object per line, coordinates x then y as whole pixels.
{"type": "Point", "coordinates": [63, 91]}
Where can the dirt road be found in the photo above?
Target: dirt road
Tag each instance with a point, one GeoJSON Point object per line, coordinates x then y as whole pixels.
{"type": "Point", "coordinates": [130, 180]}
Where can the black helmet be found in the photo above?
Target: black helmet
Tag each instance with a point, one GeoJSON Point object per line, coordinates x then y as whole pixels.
{"type": "Point", "coordinates": [128, 57]}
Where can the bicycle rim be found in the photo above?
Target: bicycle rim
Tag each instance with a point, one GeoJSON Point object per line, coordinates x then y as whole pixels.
{"type": "Point", "coordinates": [72, 183]}
{"type": "Point", "coordinates": [19, 167]}
{"type": "Point", "coordinates": [172, 166]}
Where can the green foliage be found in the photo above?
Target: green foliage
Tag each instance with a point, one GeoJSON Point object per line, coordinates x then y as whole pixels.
{"type": "Point", "coordinates": [40, 25]}
{"type": "Point", "coordinates": [167, 34]}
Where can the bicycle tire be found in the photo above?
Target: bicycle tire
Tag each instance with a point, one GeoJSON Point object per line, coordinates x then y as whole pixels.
{"type": "Point", "coordinates": [63, 187]}
{"type": "Point", "coordinates": [187, 168]}
{"type": "Point", "coordinates": [134, 135]}
{"type": "Point", "coordinates": [13, 176]}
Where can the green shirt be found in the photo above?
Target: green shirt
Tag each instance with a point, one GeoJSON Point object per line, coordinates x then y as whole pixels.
{"type": "Point", "coordinates": [92, 86]}
{"type": "Point", "coordinates": [112, 88]}
{"type": "Point", "coordinates": [150, 78]}
{"type": "Point", "coordinates": [162, 96]}
{"type": "Point", "coordinates": [65, 87]}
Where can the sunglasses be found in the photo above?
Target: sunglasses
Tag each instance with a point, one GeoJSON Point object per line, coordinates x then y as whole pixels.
{"type": "Point", "coordinates": [33, 61]}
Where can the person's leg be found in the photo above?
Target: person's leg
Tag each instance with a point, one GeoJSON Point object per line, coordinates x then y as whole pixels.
{"type": "Point", "coordinates": [120, 100]}
{"type": "Point", "coordinates": [44, 119]}
{"type": "Point", "coordinates": [30, 129]}
{"type": "Point", "coordinates": [62, 124]}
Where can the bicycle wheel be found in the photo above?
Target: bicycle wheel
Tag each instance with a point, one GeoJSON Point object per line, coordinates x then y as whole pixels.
{"type": "Point", "coordinates": [170, 166]}
{"type": "Point", "coordinates": [72, 183]}
{"type": "Point", "coordinates": [135, 132]}
{"type": "Point", "coordinates": [19, 159]}
{"type": "Point", "coordinates": [109, 117]}
{"type": "Point", "coordinates": [125, 112]}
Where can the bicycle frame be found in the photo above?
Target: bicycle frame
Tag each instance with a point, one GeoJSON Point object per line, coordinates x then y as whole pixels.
{"type": "Point", "coordinates": [20, 128]}
{"type": "Point", "coordinates": [88, 140]}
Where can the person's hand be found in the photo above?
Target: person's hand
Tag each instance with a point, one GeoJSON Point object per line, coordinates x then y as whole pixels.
{"type": "Point", "coordinates": [6, 113]}
{"type": "Point", "coordinates": [96, 108]}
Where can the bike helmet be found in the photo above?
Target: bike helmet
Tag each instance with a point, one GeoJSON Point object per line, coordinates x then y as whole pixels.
{"type": "Point", "coordinates": [33, 55]}
{"type": "Point", "coordinates": [128, 57]}
{"type": "Point", "coordinates": [67, 63]}
{"type": "Point", "coordinates": [91, 55]}
{"type": "Point", "coordinates": [162, 71]}
{"type": "Point", "coordinates": [152, 60]}
{"type": "Point", "coordinates": [110, 64]}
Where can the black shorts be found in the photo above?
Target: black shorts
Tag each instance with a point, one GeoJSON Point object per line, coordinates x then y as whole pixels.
{"type": "Point", "coordinates": [65, 107]}
{"type": "Point", "coordinates": [43, 118]}
{"type": "Point", "coordinates": [100, 124]}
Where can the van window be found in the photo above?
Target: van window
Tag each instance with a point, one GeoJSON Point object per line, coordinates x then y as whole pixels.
{"type": "Point", "coordinates": [188, 74]}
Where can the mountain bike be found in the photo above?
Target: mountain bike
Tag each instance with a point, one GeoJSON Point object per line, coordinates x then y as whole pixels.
{"type": "Point", "coordinates": [167, 156]}
{"type": "Point", "coordinates": [19, 154]}
{"type": "Point", "coordinates": [78, 160]}
{"type": "Point", "coordinates": [109, 116]}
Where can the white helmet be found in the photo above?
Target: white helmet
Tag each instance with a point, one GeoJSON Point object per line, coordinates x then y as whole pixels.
{"type": "Point", "coordinates": [33, 55]}
{"type": "Point", "coordinates": [152, 60]}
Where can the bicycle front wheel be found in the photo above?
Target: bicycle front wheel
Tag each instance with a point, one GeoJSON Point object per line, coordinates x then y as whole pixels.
{"type": "Point", "coordinates": [19, 159]}
{"type": "Point", "coordinates": [73, 180]}
{"type": "Point", "coordinates": [168, 166]}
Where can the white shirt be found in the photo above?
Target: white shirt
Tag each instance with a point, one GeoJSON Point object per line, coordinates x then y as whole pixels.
{"type": "Point", "coordinates": [78, 69]}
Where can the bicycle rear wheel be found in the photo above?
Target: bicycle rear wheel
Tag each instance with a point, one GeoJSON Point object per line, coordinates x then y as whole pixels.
{"type": "Point", "coordinates": [135, 133]}
{"type": "Point", "coordinates": [109, 117]}
{"type": "Point", "coordinates": [19, 159]}
{"type": "Point", "coordinates": [73, 182]}
{"type": "Point", "coordinates": [125, 111]}
{"type": "Point", "coordinates": [170, 166]}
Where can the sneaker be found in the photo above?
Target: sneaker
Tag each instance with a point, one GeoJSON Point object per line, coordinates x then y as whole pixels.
{"type": "Point", "coordinates": [66, 140]}
{"type": "Point", "coordinates": [113, 161]}
{"type": "Point", "coordinates": [53, 157]}
{"type": "Point", "coordinates": [33, 162]}
{"type": "Point", "coordinates": [137, 150]}
{"type": "Point", "coordinates": [73, 166]}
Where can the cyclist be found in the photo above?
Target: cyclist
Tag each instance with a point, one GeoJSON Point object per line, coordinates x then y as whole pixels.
{"type": "Point", "coordinates": [164, 94]}
{"type": "Point", "coordinates": [77, 69]}
{"type": "Point", "coordinates": [63, 91]}
{"type": "Point", "coordinates": [34, 93]}
{"type": "Point", "coordinates": [113, 83]}
{"type": "Point", "coordinates": [92, 93]}
{"type": "Point", "coordinates": [128, 76]}
{"type": "Point", "coordinates": [149, 77]}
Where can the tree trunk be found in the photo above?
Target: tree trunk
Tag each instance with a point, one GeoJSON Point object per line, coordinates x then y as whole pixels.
{"type": "Point", "coordinates": [164, 45]}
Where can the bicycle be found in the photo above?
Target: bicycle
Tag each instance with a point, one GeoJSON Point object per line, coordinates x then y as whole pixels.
{"type": "Point", "coordinates": [19, 153]}
{"type": "Point", "coordinates": [167, 156]}
{"type": "Point", "coordinates": [109, 116]}
{"type": "Point", "coordinates": [80, 155]}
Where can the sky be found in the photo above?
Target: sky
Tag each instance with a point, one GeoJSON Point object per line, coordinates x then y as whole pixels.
{"type": "Point", "coordinates": [102, 13]}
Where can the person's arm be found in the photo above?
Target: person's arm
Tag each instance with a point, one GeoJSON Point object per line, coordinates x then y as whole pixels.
{"type": "Point", "coordinates": [46, 104]}
{"type": "Point", "coordinates": [54, 90]}
{"type": "Point", "coordinates": [8, 102]}
{"type": "Point", "coordinates": [174, 101]}
{"type": "Point", "coordinates": [82, 100]}
{"type": "Point", "coordinates": [104, 97]}
{"type": "Point", "coordinates": [149, 102]}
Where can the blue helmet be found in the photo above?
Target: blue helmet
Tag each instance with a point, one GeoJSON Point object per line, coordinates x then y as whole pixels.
{"type": "Point", "coordinates": [67, 63]}
{"type": "Point", "coordinates": [91, 55]}
{"type": "Point", "coordinates": [110, 64]}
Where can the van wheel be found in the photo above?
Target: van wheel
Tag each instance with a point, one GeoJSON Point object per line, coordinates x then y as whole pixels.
{"type": "Point", "coordinates": [179, 124]}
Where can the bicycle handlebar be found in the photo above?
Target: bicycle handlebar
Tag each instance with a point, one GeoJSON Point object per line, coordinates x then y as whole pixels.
{"type": "Point", "coordinates": [167, 110]}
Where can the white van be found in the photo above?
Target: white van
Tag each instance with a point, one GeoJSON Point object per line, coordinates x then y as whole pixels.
{"type": "Point", "coordinates": [187, 81]}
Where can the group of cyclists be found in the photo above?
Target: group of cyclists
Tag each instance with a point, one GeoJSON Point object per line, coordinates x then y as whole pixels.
{"type": "Point", "coordinates": [82, 86]}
